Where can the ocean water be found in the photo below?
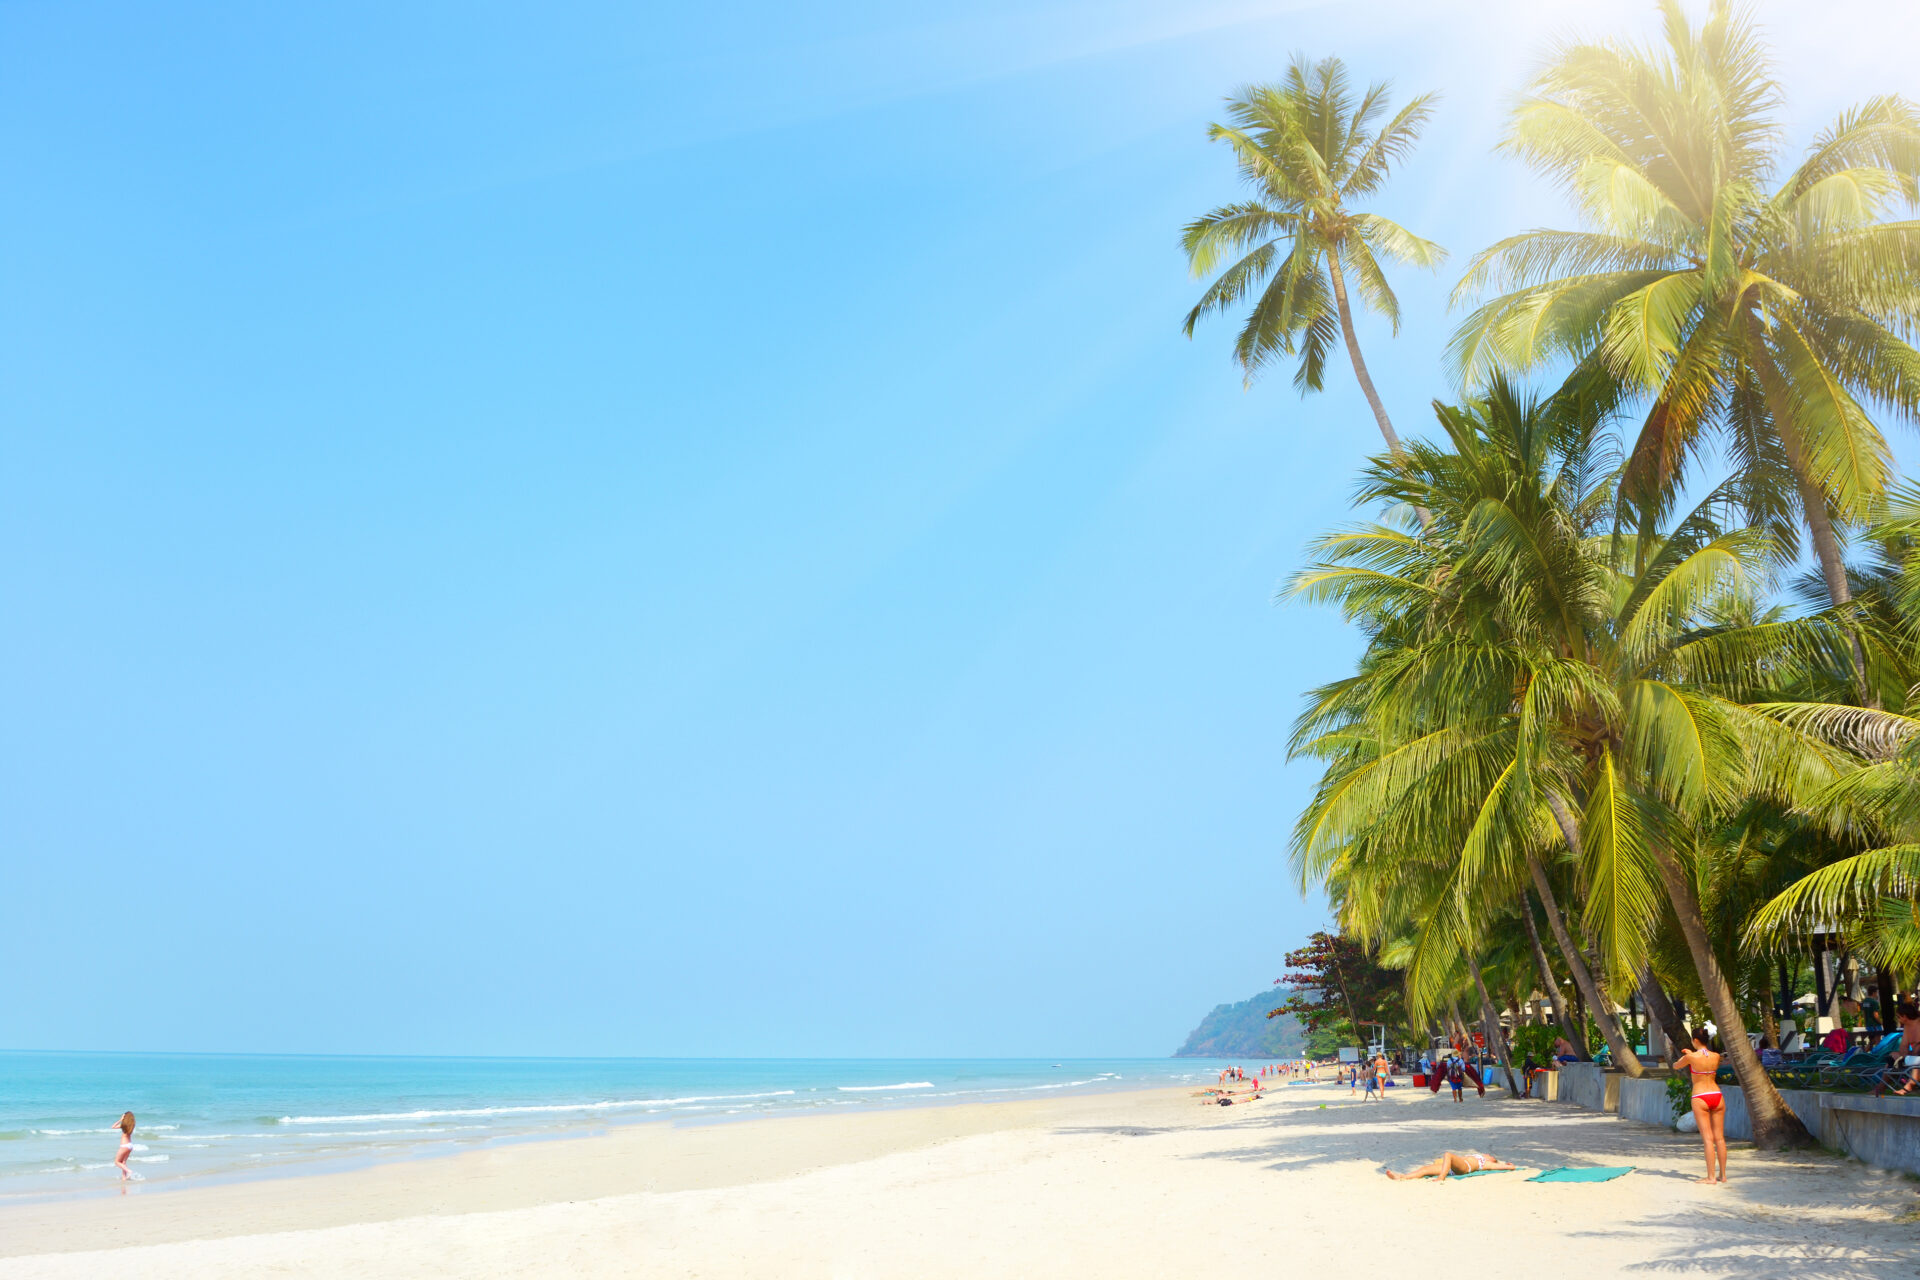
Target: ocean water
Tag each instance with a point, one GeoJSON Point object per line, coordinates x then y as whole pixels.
{"type": "Point", "coordinates": [219, 1116]}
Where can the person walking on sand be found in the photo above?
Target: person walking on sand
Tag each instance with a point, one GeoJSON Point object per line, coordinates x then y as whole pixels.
{"type": "Point", "coordinates": [1381, 1070]}
{"type": "Point", "coordinates": [126, 1146]}
{"type": "Point", "coordinates": [1457, 1078]}
{"type": "Point", "coordinates": [1709, 1105]}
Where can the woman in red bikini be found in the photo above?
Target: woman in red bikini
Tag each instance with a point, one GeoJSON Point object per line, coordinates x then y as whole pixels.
{"type": "Point", "coordinates": [1709, 1105]}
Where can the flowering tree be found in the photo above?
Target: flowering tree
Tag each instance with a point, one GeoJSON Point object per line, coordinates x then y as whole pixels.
{"type": "Point", "coordinates": [1335, 986]}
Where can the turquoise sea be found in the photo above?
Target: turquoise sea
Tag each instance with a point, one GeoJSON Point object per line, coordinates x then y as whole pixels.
{"type": "Point", "coordinates": [218, 1116]}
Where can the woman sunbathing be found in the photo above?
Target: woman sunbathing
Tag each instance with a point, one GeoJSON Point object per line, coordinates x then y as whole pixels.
{"type": "Point", "coordinates": [1452, 1162]}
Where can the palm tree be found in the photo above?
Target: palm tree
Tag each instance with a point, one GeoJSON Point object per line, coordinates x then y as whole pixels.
{"type": "Point", "coordinates": [1772, 314]}
{"type": "Point", "coordinates": [1310, 151]}
{"type": "Point", "coordinates": [1871, 817]}
{"type": "Point", "coordinates": [1537, 687]}
{"type": "Point", "coordinates": [1459, 748]}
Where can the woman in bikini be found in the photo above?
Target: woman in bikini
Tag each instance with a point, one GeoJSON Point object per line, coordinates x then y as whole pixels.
{"type": "Point", "coordinates": [126, 1146]}
{"type": "Point", "coordinates": [1450, 1163]}
{"type": "Point", "coordinates": [1709, 1105]}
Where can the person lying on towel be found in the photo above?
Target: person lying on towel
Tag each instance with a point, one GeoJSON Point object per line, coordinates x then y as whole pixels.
{"type": "Point", "coordinates": [1452, 1162]}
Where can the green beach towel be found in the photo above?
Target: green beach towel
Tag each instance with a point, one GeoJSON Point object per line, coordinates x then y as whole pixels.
{"type": "Point", "coordinates": [1582, 1175]}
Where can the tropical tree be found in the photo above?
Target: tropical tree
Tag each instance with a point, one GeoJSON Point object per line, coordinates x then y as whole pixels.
{"type": "Point", "coordinates": [1335, 983]}
{"type": "Point", "coordinates": [1772, 314]}
{"type": "Point", "coordinates": [1868, 820]}
{"type": "Point", "coordinates": [1311, 150]}
{"type": "Point", "coordinates": [1367, 571]}
{"type": "Point", "coordinates": [1537, 686]}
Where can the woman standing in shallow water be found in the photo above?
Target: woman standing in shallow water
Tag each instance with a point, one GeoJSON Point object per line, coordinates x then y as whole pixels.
{"type": "Point", "coordinates": [126, 1146]}
{"type": "Point", "coordinates": [1709, 1104]}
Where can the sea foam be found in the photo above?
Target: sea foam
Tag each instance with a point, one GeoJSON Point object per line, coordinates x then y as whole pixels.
{"type": "Point", "coordinates": [626, 1104]}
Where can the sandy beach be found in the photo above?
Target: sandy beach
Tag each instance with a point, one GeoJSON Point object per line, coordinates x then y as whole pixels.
{"type": "Point", "coordinates": [1129, 1184]}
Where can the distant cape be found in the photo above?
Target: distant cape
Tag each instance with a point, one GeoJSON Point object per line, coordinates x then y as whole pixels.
{"type": "Point", "coordinates": [1244, 1031]}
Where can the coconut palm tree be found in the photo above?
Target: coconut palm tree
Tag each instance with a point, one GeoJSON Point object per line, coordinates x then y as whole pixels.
{"type": "Point", "coordinates": [1772, 313]}
{"type": "Point", "coordinates": [1310, 150]}
{"type": "Point", "coordinates": [1536, 688]}
{"type": "Point", "coordinates": [1869, 819]}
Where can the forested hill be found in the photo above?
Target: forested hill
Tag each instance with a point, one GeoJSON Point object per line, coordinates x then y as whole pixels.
{"type": "Point", "coordinates": [1244, 1031]}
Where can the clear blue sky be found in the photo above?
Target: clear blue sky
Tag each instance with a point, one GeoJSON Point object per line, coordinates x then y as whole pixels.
{"type": "Point", "coordinates": [644, 529]}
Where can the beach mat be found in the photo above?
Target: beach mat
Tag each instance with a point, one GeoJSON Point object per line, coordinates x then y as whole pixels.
{"type": "Point", "coordinates": [1479, 1173]}
{"type": "Point", "coordinates": [1603, 1174]}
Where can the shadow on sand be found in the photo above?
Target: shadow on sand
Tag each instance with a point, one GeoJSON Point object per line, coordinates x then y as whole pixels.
{"type": "Point", "coordinates": [1792, 1216]}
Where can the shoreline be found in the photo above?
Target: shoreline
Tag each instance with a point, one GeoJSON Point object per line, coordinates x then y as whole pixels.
{"type": "Point", "coordinates": [495, 1175]}
{"type": "Point", "coordinates": [219, 1118]}
{"type": "Point", "coordinates": [1120, 1184]}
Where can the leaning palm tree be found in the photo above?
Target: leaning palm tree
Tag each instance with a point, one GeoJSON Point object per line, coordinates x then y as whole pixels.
{"type": "Point", "coordinates": [1770, 313]}
{"type": "Point", "coordinates": [1548, 689]}
{"type": "Point", "coordinates": [1871, 816]}
{"type": "Point", "coordinates": [1310, 150]}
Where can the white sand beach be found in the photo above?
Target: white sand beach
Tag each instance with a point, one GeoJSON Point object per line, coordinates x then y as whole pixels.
{"type": "Point", "coordinates": [1114, 1185]}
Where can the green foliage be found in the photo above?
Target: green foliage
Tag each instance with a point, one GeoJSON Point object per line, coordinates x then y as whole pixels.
{"type": "Point", "coordinates": [1535, 1040]}
{"type": "Point", "coordinates": [1554, 663]}
{"type": "Point", "coordinates": [1679, 1094]}
{"type": "Point", "coordinates": [1334, 980]}
{"type": "Point", "coordinates": [1574, 692]}
{"type": "Point", "coordinates": [1769, 313]}
{"type": "Point", "coordinates": [1327, 1042]}
{"type": "Point", "coordinates": [1309, 149]}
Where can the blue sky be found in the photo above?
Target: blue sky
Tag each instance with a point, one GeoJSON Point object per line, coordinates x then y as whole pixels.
{"type": "Point", "coordinates": [579, 529]}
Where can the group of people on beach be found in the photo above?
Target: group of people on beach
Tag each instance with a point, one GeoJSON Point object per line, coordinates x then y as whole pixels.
{"type": "Point", "coordinates": [1377, 1075]}
{"type": "Point", "coordinates": [1700, 1060]}
{"type": "Point", "coordinates": [1226, 1096]}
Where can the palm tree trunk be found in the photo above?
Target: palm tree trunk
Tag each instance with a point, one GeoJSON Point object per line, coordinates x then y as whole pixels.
{"type": "Point", "coordinates": [1548, 982]}
{"type": "Point", "coordinates": [1339, 279]}
{"type": "Point", "coordinates": [1661, 1009]}
{"type": "Point", "coordinates": [1333, 955]}
{"type": "Point", "coordinates": [1622, 1052]}
{"type": "Point", "coordinates": [1813, 502]}
{"type": "Point", "coordinates": [1490, 1020]}
{"type": "Point", "coordinates": [1774, 1124]}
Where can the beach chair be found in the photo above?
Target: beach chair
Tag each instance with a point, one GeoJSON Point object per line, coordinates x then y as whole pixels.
{"type": "Point", "coordinates": [1866, 1068]}
{"type": "Point", "coordinates": [1855, 1069]}
{"type": "Point", "coordinates": [1804, 1073]}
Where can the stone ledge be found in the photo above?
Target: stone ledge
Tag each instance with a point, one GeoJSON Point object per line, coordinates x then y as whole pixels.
{"type": "Point", "coordinates": [1871, 1105]}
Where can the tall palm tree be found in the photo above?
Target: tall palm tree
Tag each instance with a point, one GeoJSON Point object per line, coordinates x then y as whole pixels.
{"type": "Point", "coordinates": [1310, 150]}
{"type": "Point", "coordinates": [1772, 314]}
{"type": "Point", "coordinates": [1870, 818]}
{"type": "Point", "coordinates": [1534, 684]}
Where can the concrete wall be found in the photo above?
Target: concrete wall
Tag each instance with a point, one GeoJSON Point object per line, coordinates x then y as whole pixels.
{"type": "Point", "coordinates": [1804, 1103]}
{"type": "Point", "coordinates": [1589, 1085]}
{"type": "Point", "coordinates": [1646, 1099]}
{"type": "Point", "coordinates": [1883, 1132]}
